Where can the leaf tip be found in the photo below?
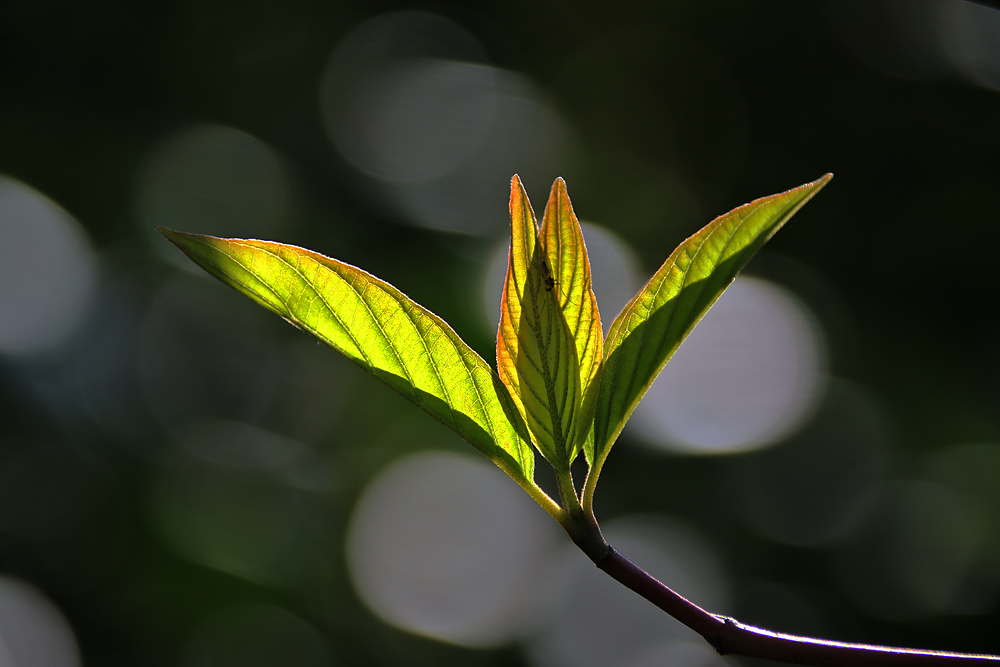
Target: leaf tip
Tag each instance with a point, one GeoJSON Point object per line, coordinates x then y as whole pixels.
{"type": "Point", "coordinates": [172, 235]}
{"type": "Point", "coordinates": [515, 186]}
{"type": "Point", "coordinates": [518, 197]}
{"type": "Point", "coordinates": [559, 188]}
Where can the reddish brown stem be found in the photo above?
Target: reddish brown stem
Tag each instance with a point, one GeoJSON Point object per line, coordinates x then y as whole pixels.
{"type": "Point", "coordinates": [729, 636]}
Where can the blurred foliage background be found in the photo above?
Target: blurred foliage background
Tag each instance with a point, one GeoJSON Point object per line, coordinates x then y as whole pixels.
{"type": "Point", "coordinates": [186, 480]}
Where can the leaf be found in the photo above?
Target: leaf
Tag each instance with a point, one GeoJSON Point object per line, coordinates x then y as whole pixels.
{"type": "Point", "coordinates": [536, 351]}
{"type": "Point", "coordinates": [566, 253]}
{"type": "Point", "coordinates": [654, 323]}
{"type": "Point", "coordinates": [381, 329]}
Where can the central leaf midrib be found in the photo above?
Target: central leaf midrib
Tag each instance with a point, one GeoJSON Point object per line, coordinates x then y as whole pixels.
{"type": "Point", "coordinates": [555, 417]}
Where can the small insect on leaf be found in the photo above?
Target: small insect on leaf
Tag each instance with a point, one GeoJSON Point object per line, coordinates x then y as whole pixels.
{"type": "Point", "coordinates": [547, 278]}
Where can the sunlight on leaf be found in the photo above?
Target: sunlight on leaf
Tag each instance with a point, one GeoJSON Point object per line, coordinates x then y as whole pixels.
{"type": "Point", "coordinates": [559, 385]}
{"type": "Point", "coordinates": [375, 325]}
{"type": "Point", "coordinates": [536, 351]}
{"type": "Point", "coordinates": [566, 254]}
{"type": "Point", "coordinates": [654, 323]}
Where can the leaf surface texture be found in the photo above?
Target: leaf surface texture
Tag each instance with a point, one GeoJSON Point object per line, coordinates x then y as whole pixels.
{"type": "Point", "coordinates": [657, 320]}
{"type": "Point", "coordinates": [536, 349]}
{"type": "Point", "coordinates": [375, 325]}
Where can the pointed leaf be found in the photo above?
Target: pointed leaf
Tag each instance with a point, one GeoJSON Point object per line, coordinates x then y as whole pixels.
{"type": "Point", "coordinates": [536, 353]}
{"type": "Point", "coordinates": [375, 325]}
{"type": "Point", "coordinates": [566, 254]}
{"type": "Point", "coordinates": [654, 323]}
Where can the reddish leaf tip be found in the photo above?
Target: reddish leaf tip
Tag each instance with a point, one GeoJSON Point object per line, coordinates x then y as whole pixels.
{"type": "Point", "coordinates": [559, 187]}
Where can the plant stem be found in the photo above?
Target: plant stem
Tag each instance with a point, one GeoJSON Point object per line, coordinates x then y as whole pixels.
{"type": "Point", "coordinates": [567, 490]}
{"type": "Point", "coordinates": [590, 483]}
{"type": "Point", "coordinates": [580, 525]}
{"type": "Point", "coordinates": [729, 636]}
{"type": "Point", "coordinates": [552, 507]}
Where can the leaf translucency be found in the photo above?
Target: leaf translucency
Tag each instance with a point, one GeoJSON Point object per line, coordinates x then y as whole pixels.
{"type": "Point", "coordinates": [536, 350]}
{"type": "Point", "coordinates": [375, 325]}
{"type": "Point", "coordinates": [566, 256]}
{"type": "Point", "coordinates": [657, 320]}
{"type": "Point", "coordinates": [559, 385]}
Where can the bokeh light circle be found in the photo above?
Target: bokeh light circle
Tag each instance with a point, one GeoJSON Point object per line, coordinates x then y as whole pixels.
{"type": "Point", "coordinates": [406, 95]}
{"type": "Point", "coordinates": [429, 129]}
{"type": "Point", "coordinates": [679, 654]}
{"type": "Point", "coordinates": [48, 271]}
{"type": "Point", "coordinates": [33, 632]}
{"type": "Point", "coordinates": [747, 376]}
{"type": "Point", "coordinates": [817, 486]}
{"type": "Point", "coordinates": [446, 546]}
{"type": "Point", "coordinates": [421, 119]}
{"type": "Point", "coordinates": [217, 180]}
{"type": "Point", "coordinates": [923, 40]}
{"type": "Point", "coordinates": [588, 620]}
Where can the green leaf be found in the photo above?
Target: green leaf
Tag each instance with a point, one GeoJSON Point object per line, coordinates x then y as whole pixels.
{"type": "Point", "coordinates": [654, 323]}
{"type": "Point", "coordinates": [536, 351]}
{"type": "Point", "coordinates": [566, 253]}
{"type": "Point", "coordinates": [375, 325]}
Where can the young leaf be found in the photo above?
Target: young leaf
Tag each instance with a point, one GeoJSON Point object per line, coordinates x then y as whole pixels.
{"type": "Point", "coordinates": [566, 254]}
{"type": "Point", "coordinates": [536, 351]}
{"type": "Point", "coordinates": [654, 323]}
{"type": "Point", "coordinates": [375, 325]}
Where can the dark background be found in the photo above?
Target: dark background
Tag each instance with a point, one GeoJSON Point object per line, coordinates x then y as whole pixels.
{"type": "Point", "coordinates": [675, 112]}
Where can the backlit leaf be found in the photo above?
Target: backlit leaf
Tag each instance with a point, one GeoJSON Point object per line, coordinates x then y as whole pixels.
{"type": "Point", "coordinates": [654, 323]}
{"type": "Point", "coordinates": [566, 256]}
{"type": "Point", "coordinates": [536, 351]}
{"type": "Point", "coordinates": [375, 325]}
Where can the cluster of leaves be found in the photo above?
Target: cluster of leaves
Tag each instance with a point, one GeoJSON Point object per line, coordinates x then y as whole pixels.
{"type": "Point", "coordinates": [559, 387]}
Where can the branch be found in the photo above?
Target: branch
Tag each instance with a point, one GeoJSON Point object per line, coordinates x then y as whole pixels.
{"type": "Point", "coordinates": [729, 636]}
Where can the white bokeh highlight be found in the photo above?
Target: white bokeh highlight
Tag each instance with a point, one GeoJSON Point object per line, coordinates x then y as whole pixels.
{"type": "Point", "coordinates": [446, 546]}
{"type": "Point", "coordinates": [696, 653]}
{"type": "Point", "coordinates": [748, 375]}
{"type": "Point", "coordinates": [216, 180]}
{"type": "Point", "coordinates": [588, 619]}
{"type": "Point", "coordinates": [33, 632]}
{"type": "Point", "coordinates": [48, 271]}
{"type": "Point", "coordinates": [419, 119]}
{"type": "Point", "coordinates": [430, 129]}
{"type": "Point", "coordinates": [923, 40]}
